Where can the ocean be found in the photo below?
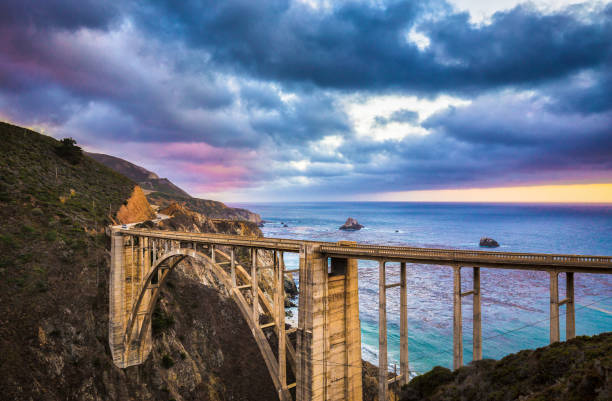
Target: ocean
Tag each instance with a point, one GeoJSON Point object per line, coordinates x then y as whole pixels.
{"type": "Point", "coordinates": [515, 304]}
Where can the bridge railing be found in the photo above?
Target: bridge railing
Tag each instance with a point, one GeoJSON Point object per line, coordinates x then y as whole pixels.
{"type": "Point", "coordinates": [377, 251]}
{"type": "Point", "coordinates": [382, 251]}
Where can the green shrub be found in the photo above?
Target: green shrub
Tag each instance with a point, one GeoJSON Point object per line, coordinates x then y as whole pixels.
{"type": "Point", "coordinates": [7, 240]}
{"type": "Point", "coordinates": [160, 321]}
{"type": "Point", "coordinates": [68, 151]}
{"type": "Point", "coordinates": [51, 235]}
{"type": "Point", "coordinates": [425, 385]}
{"type": "Point", "coordinates": [167, 362]}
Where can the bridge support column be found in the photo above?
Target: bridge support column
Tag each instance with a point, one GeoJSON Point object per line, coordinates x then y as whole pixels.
{"type": "Point", "coordinates": [254, 286]}
{"type": "Point", "coordinates": [383, 367]}
{"type": "Point", "coordinates": [554, 306]}
{"type": "Point", "coordinates": [128, 267]}
{"type": "Point", "coordinates": [279, 308]}
{"type": "Point", "coordinates": [404, 364]}
{"type": "Point", "coordinates": [116, 325]}
{"type": "Point", "coordinates": [233, 265]}
{"type": "Point", "coordinates": [328, 355]}
{"type": "Point", "coordinates": [457, 319]}
{"type": "Point", "coordinates": [570, 310]}
{"type": "Point", "coordinates": [477, 318]}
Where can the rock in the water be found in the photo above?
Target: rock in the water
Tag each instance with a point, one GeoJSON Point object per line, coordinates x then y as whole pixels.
{"type": "Point", "coordinates": [488, 242]}
{"type": "Point", "coordinates": [351, 224]}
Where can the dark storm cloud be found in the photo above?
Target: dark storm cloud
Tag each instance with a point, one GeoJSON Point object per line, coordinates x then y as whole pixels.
{"type": "Point", "coordinates": [58, 14]}
{"type": "Point", "coordinates": [362, 46]}
{"type": "Point", "coordinates": [310, 117]}
{"type": "Point", "coordinates": [266, 80]}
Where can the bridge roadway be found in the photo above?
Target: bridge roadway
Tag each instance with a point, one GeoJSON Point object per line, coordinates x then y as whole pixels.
{"type": "Point", "coordinates": [326, 360]}
{"type": "Point", "coordinates": [437, 256]}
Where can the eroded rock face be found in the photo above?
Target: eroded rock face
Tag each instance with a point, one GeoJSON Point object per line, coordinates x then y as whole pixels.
{"type": "Point", "coordinates": [136, 209]}
{"type": "Point", "coordinates": [351, 224]}
{"type": "Point", "coordinates": [184, 219]}
{"type": "Point", "coordinates": [488, 242]}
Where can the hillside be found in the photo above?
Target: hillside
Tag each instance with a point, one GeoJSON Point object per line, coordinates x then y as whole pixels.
{"type": "Point", "coordinates": [54, 268]}
{"type": "Point", "coordinates": [145, 178]}
{"type": "Point", "coordinates": [162, 192]}
{"type": "Point", "coordinates": [577, 370]}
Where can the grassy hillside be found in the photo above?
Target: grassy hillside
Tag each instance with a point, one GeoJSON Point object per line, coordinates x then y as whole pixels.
{"type": "Point", "coordinates": [54, 267]}
{"type": "Point", "coordinates": [49, 207]}
{"type": "Point", "coordinates": [577, 370]}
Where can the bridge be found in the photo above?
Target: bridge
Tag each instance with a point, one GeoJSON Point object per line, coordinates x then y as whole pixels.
{"type": "Point", "coordinates": [324, 361]}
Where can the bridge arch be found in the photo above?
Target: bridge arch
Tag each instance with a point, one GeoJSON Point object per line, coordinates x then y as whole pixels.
{"type": "Point", "coordinates": [137, 336]}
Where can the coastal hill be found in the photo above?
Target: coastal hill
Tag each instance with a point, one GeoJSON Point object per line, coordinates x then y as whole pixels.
{"type": "Point", "coordinates": [162, 192]}
{"type": "Point", "coordinates": [577, 370]}
{"type": "Point", "coordinates": [145, 178]}
{"type": "Point", "coordinates": [54, 265]}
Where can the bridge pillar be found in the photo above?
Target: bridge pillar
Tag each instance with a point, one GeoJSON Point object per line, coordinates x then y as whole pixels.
{"type": "Point", "coordinates": [457, 319]}
{"type": "Point", "coordinates": [383, 367]}
{"type": "Point", "coordinates": [554, 306]}
{"type": "Point", "coordinates": [404, 364]}
{"type": "Point", "coordinates": [477, 318]}
{"type": "Point", "coordinates": [570, 311]}
{"type": "Point", "coordinates": [128, 267]}
{"type": "Point", "coordinates": [329, 337]}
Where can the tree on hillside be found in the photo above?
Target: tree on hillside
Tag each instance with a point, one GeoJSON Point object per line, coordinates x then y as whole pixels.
{"type": "Point", "coordinates": [69, 151]}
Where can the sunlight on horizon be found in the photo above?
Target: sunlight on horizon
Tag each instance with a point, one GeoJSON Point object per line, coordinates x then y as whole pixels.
{"type": "Point", "coordinates": [575, 193]}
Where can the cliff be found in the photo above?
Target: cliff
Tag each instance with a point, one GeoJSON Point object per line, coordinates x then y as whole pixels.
{"type": "Point", "coordinates": [184, 219]}
{"type": "Point", "coordinates": [136, 208]}
{"type": "Point", "coordinates": [209, 208]}
{"type": "Point", "coordinates": [54, 270]}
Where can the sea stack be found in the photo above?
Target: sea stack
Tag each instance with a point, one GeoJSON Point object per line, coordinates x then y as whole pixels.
{"type": "Point", "coordinates": [351, 224]}
{"type": "Point", "coordinates": [488, 242]}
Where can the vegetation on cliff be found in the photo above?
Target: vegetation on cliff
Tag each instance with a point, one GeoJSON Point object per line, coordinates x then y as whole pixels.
{"type": "Point", "coordinates": [576, 370]}
{"type": "Point", "coordinates": [54, 270]}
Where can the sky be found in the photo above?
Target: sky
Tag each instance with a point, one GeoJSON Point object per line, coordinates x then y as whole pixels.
{"type": "Point", "coordinates": [308, 100]}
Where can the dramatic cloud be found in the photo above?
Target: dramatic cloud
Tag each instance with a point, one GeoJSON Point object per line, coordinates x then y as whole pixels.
{"type": "Point", "coordinates": [398, 116]}
{"type": "Point", "coordinates": [293, 100]}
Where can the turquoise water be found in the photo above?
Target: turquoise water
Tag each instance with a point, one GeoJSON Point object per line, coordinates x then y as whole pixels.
{"type": "Point", "coordinates": [511, 300]}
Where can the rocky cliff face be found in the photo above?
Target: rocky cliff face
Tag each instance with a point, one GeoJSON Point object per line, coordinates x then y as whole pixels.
{"type": "Point", "coordinates": [209, 208]}
{"type": "Point", "coordinates": [135, 209]}
{"type": "Point", "coordinates": [184, 219]}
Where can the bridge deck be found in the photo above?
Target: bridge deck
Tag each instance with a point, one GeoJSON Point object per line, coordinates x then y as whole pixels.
{"type": "Point", "coordinates": [492, 259]}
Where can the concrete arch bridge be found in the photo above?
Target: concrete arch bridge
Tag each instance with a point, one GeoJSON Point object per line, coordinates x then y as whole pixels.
{"type": "Point", "coordinates": [326, 358]}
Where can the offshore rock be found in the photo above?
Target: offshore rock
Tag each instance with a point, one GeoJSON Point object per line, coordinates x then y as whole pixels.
{"type": "Point", "coordinates": [351, 224]}
{"type": "Point", "coordinates": [488, 242]}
